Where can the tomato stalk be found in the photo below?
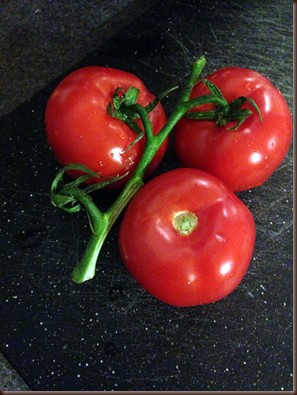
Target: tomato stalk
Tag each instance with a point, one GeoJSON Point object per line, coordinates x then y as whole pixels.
{"type": "Point", "coordinates": [102, 223]}
{"type": "Point", "coordinates": [154, 142]}
{"type": "Point", "coordinates": [125, 107]}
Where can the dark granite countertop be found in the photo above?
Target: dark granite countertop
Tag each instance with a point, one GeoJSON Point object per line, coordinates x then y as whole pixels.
{"type": "Point", "coordinates": [108, 333]}
{"type": "Point", "coordinates": [41, 39]}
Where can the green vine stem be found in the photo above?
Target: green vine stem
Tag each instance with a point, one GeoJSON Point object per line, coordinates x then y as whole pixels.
{"type": "Point", "coordinates": [70, 198]}
{"type": "Point", "coordinates": [102, 223]}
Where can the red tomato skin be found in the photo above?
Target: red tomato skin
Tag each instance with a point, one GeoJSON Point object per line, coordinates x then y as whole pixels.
{"type": "Point", "coordinates": [242, 158]}
{"type": "Point", "coordinates": [199, 268]}
{"type": "Point", "coordinates": [79, 129]}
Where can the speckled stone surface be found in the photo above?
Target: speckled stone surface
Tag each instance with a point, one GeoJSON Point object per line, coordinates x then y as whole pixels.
{"type": "Point", "coordinates": [109, 334]}
{"type": "Point", "coordinates": [40, 39]}
{"type": "Point", "coordinates": [9, 378]}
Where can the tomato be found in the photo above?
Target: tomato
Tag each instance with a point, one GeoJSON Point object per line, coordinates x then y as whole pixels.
{"type": "Point", "coordinates": [79, 129]}
{"type": "Point", "coordinates": [187, 238]}
{"type": "Point", "coordinates": [242, 158]}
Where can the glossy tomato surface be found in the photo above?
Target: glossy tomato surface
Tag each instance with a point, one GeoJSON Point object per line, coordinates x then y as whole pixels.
{"type": "Point", "coordinates": [197, 268]}
{"type": "Point", "coordinates": [242, 158]}
{"type": "Point", "coordinates": [79, 129]}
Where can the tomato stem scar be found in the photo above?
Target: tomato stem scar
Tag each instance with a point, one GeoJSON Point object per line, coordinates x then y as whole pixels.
{"type": "Point", "coordinates": [185, 222]}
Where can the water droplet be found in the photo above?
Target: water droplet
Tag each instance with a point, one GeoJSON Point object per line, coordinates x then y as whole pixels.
{"type": "Point", "coordinates": [111, 154]}
{"type": "Point", "coordinates": [247, 86]}
{"type": "Point", "coordinates": [121, 136]}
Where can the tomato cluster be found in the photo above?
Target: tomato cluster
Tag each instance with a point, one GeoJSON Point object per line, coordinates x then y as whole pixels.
{"type": "Point", "coordinates": [185, 236]}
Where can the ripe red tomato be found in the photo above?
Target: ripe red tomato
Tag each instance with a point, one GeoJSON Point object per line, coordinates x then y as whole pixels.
{"type": "Point", "coordinates": [79, 129]}
{"type": "Point", "coordinates": [187, 238]}
{"type": "Point", "coordinates": [242, 158]}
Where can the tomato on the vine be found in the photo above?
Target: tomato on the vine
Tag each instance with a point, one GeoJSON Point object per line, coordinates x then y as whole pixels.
{"type": "Point", "coordinates": [187, 238]}
{"type": "Point", "coordinates": [80, 130]}
{"type": "Point", "coordinates": [242, 158]}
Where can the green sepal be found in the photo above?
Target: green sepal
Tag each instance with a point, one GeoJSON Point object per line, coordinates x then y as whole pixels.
{"type": "Point", "coordinates": [66, 196]}
{"type": "Point", "coordinates": [234, 106]}
{"type": "Point", "coordinates": [120, 103]}
{"type": "Point", "coordinates": [123, 108]}
{"type": "Point", "coordinates": [216, 92]}
{"type": "Point", "coordinates": [224, 112]}
{"type": "Point", "coordinates": [128, 98]}
{"type": "Point", "coordinates": [149, 108]}
{"type": "Point", "coordinates": [240, 115]}
{"type": "Point", "coordinates": [60, 192]}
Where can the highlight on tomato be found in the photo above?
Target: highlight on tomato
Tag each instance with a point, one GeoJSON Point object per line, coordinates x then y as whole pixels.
{"type": "Point", "coordinates": [247, 156]}
{"type": "Point", "coordinates": [81, 130]}
{"type": "Point", "coordinates": [186, 238]}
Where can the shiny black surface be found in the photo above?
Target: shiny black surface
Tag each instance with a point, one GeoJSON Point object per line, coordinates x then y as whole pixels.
{"type": "Point", "coordinates": [108, 333]}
